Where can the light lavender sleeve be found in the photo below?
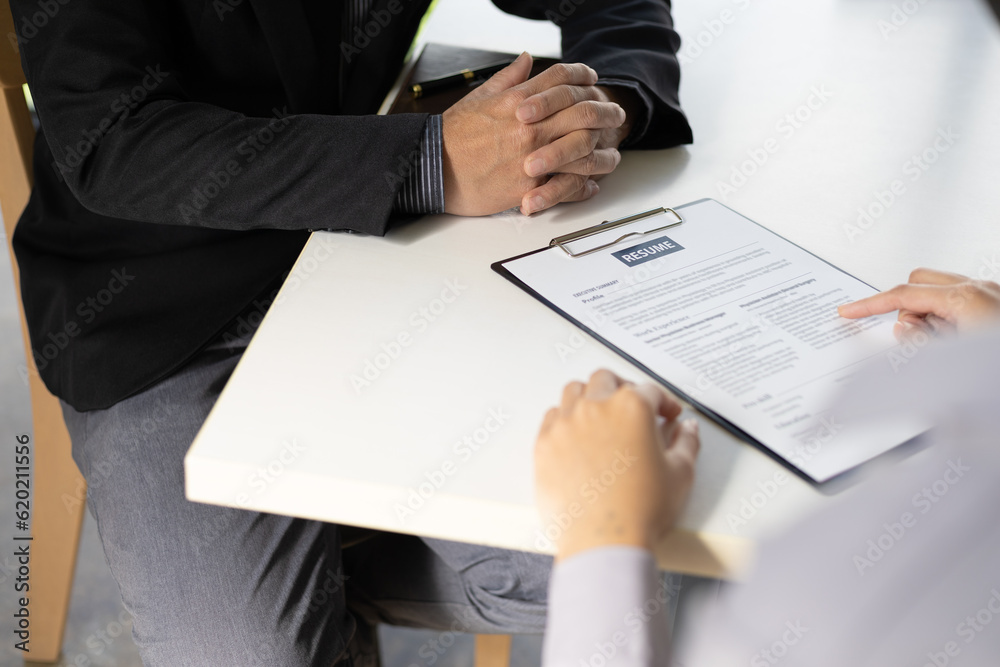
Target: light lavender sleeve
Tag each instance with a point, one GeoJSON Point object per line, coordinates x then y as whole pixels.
{"type": "Point", "coordinates": [607, 607]}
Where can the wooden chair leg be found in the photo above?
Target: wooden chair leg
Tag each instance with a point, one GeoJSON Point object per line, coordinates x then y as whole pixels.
{"type": "Point", "coordinates": [59, 497]}
{"type": "Point", "coordinates": [493, 650]}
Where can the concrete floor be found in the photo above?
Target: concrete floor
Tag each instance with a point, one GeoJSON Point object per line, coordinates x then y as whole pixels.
{"type": "Point", "coordinates": [98, 629]}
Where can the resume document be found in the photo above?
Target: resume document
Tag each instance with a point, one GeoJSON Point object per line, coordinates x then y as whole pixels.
{"type": "Point", "coordinates": [740, 321]}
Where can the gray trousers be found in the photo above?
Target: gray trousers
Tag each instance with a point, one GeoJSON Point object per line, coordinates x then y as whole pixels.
{"type": "Point", "coordinates": [213, 586]}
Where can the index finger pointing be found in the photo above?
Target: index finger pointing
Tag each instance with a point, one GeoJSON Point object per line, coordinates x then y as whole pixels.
{"type": "Point", "coordinates": [922, 299]}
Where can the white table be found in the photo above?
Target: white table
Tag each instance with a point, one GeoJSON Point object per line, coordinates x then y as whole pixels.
{"type": "Point", "coordinates": [292, 434]}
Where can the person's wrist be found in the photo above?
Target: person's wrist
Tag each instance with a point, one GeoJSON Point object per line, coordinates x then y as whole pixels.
{"type": "Point", "coordinates": [577, 539]}
{"type": "Point", "coordinates": [452, 125]}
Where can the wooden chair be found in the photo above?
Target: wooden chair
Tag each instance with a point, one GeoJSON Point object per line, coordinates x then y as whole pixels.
{"type": "Point", "coordinates": [58, 489]}
{"type": "Point", "coordinates": [493, 650]}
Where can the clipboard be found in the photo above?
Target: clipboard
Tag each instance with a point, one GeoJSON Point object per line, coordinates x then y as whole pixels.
{"type": "Point", "coordinates": [611, 234]}
{"type": "Point", "coordinates": [609, 225]}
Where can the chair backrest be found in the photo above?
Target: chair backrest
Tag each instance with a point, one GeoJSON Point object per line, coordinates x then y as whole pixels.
{"type": "Point", "coordinates": [16, 132]}
{"type": "Point", "coordinates": [10, 68]}
{"type": "Point", "coordinates": [17, 136]}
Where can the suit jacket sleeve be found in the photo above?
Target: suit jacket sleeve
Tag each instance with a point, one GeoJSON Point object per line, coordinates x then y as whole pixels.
{"type": "Point", "coordinates": [631, 40]}
{"type": "Point", "coordinates": [133, 142]}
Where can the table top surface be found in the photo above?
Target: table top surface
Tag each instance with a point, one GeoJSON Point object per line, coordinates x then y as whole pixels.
{"type": "Point", "coordinates": [399, 383]}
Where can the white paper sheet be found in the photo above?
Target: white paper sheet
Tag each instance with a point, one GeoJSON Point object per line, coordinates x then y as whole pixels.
{"type": "Point", "coordinates": [741, 321]}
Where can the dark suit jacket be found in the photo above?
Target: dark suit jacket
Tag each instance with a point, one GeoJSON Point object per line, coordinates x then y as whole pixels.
{"type": "Point", "coordinates": [187, 146]}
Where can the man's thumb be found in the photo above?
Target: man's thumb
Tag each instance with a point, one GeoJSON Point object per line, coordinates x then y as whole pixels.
{"type": "Point", "coordinates": [514, 74]}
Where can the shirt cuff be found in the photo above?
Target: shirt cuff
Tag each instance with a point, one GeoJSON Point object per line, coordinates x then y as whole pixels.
{"type": "Point", "coordinates": [423, 191]}
{"type": "Point", "coordinates": [607, 606]}
{"type": "Point", "coordinates": [640, 125]}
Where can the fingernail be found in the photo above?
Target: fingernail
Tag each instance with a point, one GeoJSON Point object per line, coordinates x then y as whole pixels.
{"type": "Point", "coordinates": [592, 188]}
{"type": "Point", "coordinates": [534, 204]}
{"type": "Point", "coordinates": [691, 425]}
{"type": "Point", "coordinates": [526, 112]}
{"type": "Point", "coordinates": [536, 167]}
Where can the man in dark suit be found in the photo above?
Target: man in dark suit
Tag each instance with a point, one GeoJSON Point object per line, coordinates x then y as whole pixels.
{"type": "Point", "coordinates": [186, 149]}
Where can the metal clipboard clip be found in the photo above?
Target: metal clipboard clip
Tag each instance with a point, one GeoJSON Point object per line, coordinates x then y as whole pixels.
{"type": "Point", "coordinates": [607, 225]}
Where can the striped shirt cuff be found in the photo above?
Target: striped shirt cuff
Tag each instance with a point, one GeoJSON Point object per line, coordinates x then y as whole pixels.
{"type": "Point", "coordinates": [423, 192]}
